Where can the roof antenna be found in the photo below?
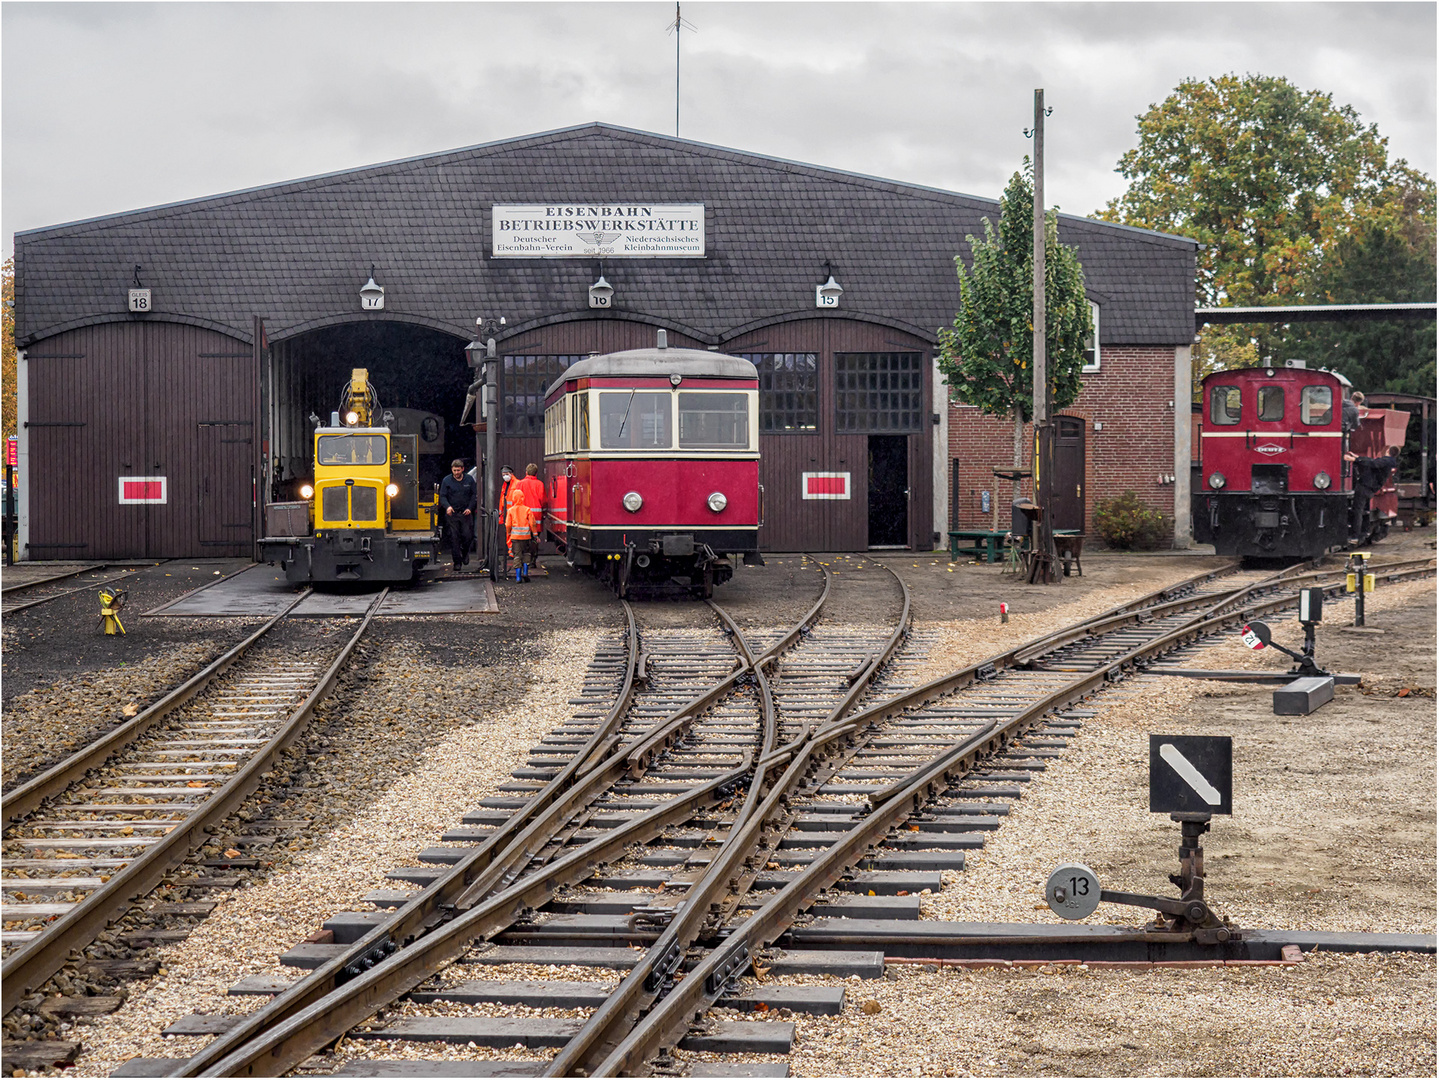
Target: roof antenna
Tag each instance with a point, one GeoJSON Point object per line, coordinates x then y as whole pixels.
{"type": "Point", "coordinates": [675, 27]}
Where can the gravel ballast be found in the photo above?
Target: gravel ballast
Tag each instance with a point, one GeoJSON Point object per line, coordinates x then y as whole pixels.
{"type": "Point", "coordinates": [492, 690]}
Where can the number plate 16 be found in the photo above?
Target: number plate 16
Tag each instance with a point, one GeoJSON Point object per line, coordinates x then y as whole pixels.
{"type": "Point", "coordinates": [1072, 891]}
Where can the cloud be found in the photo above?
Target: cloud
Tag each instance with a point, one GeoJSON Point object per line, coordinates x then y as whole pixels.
{"type": "Point", "coordinates": [111, 107]}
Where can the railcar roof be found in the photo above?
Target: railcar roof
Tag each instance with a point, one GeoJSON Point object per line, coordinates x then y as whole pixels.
{"type": "Point", "coordinates": [1264, 372]}
{"type": "Point", "coordinates": [659, 362]}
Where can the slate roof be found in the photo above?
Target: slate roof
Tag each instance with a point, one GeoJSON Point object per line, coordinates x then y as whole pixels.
{"type": "Point", "coordinates": [297, 253]}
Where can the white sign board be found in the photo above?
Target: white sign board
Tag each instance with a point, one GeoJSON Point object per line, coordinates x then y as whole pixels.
{"type": "Point", "coordinates": [607, 231]}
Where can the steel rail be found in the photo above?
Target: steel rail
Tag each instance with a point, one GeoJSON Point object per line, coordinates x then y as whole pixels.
{"type": "Point", "coordinates": [650, 745]}
{"type": "Point", "coordinates": [893, 805]}
{"type": "Point", "coordinates": [21, 586]}
{"type": "Point", "coordinates": [25, 605]}
{"type": "Point", "coordinates": [319, 1022]}
{"type": "Point", "coordinates": [463, 889]}
{"type": "Point", "coordinates": [28, 967]}
{"type": "Point", "coordinates": [431, 903]}
{"type": "Point", "coordinates": [26, 797]}
{"type": "Point", "coordinates": [727, 877]}
{"type": "Point", "coordinates": [1177, 593]}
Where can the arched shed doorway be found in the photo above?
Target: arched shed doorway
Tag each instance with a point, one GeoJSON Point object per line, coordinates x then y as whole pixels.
{"type": "Point", "coordinates": [412, 367]}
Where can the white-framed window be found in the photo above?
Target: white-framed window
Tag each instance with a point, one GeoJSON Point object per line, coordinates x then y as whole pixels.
{"type": "Point", "coordinates": [1091, 343]}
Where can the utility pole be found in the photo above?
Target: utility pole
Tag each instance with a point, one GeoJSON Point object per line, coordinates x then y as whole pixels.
{"type": "Point", "coordinates": [1042, 568]}
{"type": "Point", "coordinates": [1041, 379]}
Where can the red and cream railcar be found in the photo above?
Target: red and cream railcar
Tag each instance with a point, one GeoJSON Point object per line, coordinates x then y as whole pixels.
{"type": "Point", "coordinates": [652, 466]}
{"type": "Point", "coordinates": [1272, 480]}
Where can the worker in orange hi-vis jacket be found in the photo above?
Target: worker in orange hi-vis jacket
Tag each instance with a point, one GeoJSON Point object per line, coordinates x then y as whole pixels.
{"type": "Point", "coordinates": [521, 538]}
{"type": "Point", "coordinates": [534, 491]}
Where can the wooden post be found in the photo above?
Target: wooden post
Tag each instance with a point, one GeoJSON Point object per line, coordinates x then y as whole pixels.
{"type": "Point", "coordinates": [1044, 552]}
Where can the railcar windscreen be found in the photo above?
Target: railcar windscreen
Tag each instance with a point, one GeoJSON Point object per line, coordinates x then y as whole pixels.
{"type": "Point", "coordinates": [1224, 404]}
{"type": "Point", "coordinates": [1316, 406]}
{"type": "Point", "coordinates": [352, 450]}
{"type": "Point", "coordinates": [635, 420]}
{"type": "Point", "coordinates": [1271, 403]}
{"type": "Point", "coordinates": [714, 421]}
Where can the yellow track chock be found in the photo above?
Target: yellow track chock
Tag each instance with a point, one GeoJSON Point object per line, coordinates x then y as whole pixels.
{"type": "Point", "coordinates": [110, 605]}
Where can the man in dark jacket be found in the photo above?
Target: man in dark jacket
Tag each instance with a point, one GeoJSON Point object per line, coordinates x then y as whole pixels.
{"type": "Point", "coordinates": [1370, 475]}
{"type": "Point", "coordinates": [458, 501]}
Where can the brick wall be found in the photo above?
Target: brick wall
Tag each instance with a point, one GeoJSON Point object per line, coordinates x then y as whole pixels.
{"type": "Point", "coordinates": [1129, 397]}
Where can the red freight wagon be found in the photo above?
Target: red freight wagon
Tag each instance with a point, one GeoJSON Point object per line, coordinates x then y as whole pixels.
{"type": "Point", "coordinates": [652, 466]}
{"type": "Point", "coordinates": [1272, 478]}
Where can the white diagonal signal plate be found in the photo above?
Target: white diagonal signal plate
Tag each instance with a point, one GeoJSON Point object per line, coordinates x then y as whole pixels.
{"type": "Point", "coordinates": [1191, 776]}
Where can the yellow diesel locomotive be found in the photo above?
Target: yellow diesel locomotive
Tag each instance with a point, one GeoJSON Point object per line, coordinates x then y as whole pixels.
{"type": "Point", "coordinates": [361, 518]}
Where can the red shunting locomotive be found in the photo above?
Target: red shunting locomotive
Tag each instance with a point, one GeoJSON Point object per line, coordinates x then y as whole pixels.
{"type": "Point", "coordinates": [652, 467]}
{"type": "Point", "coordinates": [1273, 481]}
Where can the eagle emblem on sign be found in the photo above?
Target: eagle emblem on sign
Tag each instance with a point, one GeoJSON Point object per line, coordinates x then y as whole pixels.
{"type": "Point", "coordinates": [601, 242]}
{"type": "Point", "coordinates": [1270, 448]}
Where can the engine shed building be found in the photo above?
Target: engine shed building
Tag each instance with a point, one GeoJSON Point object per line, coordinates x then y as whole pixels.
{"type": "Point", "coordinates": [172, 357]}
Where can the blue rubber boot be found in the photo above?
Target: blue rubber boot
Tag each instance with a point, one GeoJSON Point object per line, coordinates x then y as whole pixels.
{"type": "Point", "coordinates": [527, 571]}
{"type": "Point", "coordinates": [517, 575]}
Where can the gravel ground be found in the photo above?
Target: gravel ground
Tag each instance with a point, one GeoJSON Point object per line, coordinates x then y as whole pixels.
{"type": "Point", "coordinates": [496, 713]}
{"type": "Point", "coordinates": [375, 802]}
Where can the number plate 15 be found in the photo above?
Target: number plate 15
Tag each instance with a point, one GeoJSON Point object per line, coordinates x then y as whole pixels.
{"type": "Point", "coordinates": [1072, 891]}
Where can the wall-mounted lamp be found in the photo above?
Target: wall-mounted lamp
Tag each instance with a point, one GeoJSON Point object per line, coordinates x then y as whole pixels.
{"type": "Point", "coordinates": [141, 302]}
{"type": "Point", "coordinates": [372, 296]}
{"type": "Point", "coordinates": [601, 293]}
{"type": "Point", "coordinates": [827, 295]}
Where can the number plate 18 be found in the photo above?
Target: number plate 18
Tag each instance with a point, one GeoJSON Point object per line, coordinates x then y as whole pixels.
{"type": "Point", "coordinates": [1072, 891]}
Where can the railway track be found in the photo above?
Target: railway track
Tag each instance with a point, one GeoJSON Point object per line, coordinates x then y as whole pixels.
{"type": "Point", "coordinates": [24, 595]}
{"type": "Point", "coordinates": [703, 833]}
{"type": "Point", "coordinates": [92, 834]}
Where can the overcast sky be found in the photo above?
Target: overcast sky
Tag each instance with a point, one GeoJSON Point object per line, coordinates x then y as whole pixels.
{"type": "Point", "coordinates": [114, 106]}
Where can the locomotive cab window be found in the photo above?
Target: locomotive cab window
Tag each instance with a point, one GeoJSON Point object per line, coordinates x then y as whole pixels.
{"type": "Point", "coordinates": [1224, 405]}
{"type": "Point", "coordinates": [635, 420]}
{"type": "Point", "coordinates": [1271, 403]}
{"type": "Point", "coordinates": [1316, 406]}
{"type": "Point", "coordinates": [352, 450]}
{"type": "Point", "coordinates": [714, 421]}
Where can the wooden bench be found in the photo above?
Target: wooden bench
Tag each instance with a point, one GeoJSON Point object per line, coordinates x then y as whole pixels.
{"type": "Point", "coordinates": [983, 543]}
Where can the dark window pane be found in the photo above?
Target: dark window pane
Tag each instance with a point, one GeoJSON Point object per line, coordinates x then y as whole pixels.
{"type": "Point", "coordinates": [788, 391]}
{"type": "Point", "coordinates": [878, 392]}
{"type": "Point", "coordinates": [335, 504]}
{"type": "Point", "coordinates": [1271, 403]}
{"type": "Point", "coordinates": [1224, 405]}
{"type": "Point", "coordinates": [523, 382]}
{"type": "Point", "coordinates": [364, 505]}
{"type": "Point", "coordinates": [714, 420]}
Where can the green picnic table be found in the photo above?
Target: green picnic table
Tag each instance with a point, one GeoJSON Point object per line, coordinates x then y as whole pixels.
{"type": "Point", "coordinates": [986, 543]}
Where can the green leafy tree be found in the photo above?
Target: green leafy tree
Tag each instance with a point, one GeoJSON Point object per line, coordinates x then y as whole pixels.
{"type": "Point", "coordinates": [1268, 177]}
{"type": "Point", "coordinates": [7, 344]}
{"type": "Point", "coordinates": [987, 356]}
{"type": "Point", "coordinates": [1377, 263]}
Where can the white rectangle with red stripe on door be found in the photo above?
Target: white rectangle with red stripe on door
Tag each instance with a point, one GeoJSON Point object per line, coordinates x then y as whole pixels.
{"type": "Point", "coordinates": [824, 485]}
{"type": "Point", "coordinates": [144, 489]}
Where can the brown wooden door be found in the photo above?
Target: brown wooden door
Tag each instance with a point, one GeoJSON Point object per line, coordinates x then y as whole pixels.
{"type": "Point", "coordinates": [225, 487]}
{"type": "Point", "coordinates": [1067, 492]}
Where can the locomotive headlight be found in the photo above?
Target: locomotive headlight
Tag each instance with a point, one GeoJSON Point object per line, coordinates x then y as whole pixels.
{"type": "Point", "coordinates": [392, 490]}
{"type": "Point", "coordinates": [306, 491]}
{"type": "Point", "coordinates": [1216, 480]}
{"type": "Point", "coordinates": [633, 502]}
{"type": "Point", "coordinates": [1322, 481]}
{"type": "Point", "coordinates": [717, 501]}
{"type": "Point", "coordinates": [352, 417]}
